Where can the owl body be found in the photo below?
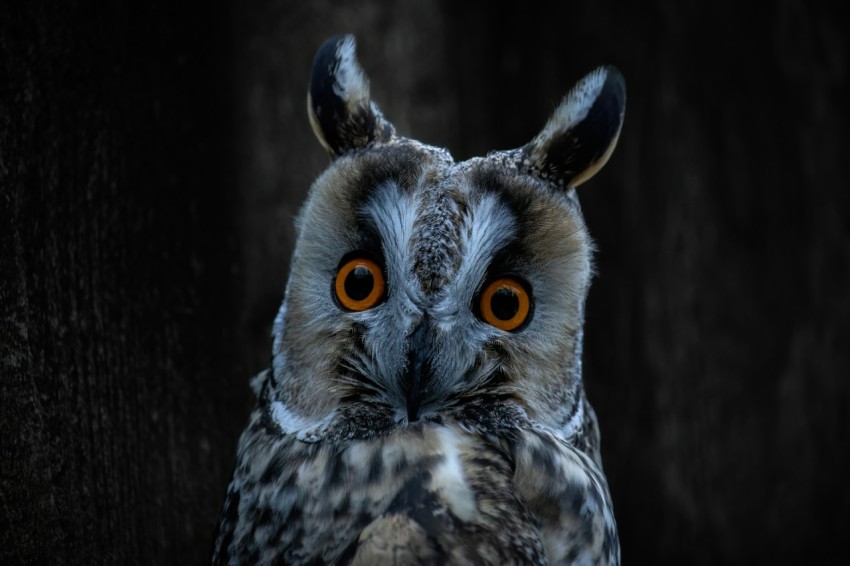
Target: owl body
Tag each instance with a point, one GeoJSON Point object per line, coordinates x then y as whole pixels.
{"type": "Point", "coordinates": [425, 401]}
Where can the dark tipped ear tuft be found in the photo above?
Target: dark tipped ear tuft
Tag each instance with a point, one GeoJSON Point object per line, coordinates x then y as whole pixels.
{"type": "Point", "coordinates": [581, 134]}
{"type": "Point", "coordinates": [341, 112]}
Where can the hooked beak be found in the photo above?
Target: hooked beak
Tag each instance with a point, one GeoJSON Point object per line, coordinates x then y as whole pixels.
{"type": "Point", "coordinates": [418, 371]}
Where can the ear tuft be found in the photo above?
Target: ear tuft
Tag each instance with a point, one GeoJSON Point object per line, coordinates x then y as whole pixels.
{"type": "Point", "coordinates": [342, 115]}
{"type": "Point", "coordinates": [581, 134]}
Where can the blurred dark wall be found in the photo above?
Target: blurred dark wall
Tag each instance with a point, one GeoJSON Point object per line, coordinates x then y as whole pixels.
{"type": "Point", "coordinates": [122, 387]}
{"type": "Point", "coordinates": [152, 160]}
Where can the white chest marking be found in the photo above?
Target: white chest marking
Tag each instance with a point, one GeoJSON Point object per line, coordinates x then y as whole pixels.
{"type": "Point", "coordinates": [448, 480]}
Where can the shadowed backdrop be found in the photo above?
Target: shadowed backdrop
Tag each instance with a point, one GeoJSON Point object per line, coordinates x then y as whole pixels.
{"type": "Point", "coordinates": [152, 159]}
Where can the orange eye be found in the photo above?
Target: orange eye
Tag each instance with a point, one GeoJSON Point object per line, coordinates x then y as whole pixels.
{"type": "Point", "coordinates": [505, 303]}
{"type": "Point", "coordinates": [359, 284]}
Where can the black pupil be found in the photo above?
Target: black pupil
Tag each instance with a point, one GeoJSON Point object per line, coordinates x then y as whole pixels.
{"type": "Point", "coordinates": [359, 283]}
{"type": "Point", "coordinates": [504, 303]}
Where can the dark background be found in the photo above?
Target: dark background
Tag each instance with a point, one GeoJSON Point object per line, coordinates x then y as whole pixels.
{"type": "Point", "coordinates": [152, 158]}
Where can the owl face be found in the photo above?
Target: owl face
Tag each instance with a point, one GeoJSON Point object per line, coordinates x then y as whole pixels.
{"type": "Point", "coordinates": [422, 288]}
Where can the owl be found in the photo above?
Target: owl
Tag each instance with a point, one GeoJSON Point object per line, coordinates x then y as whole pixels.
{"type": "Point", "coordinates": [424, 403]}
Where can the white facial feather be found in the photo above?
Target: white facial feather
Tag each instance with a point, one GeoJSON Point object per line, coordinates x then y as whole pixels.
{"type": "Point", "coordinates": [488, 226]}
{"type": "Point", "coordinates": [394, 213]}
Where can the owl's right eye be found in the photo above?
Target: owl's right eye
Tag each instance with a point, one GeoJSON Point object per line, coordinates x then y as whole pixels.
{"type": "Point", "coordinates": [505, 303]}
{"type": "Point", "coordinates": [359, 283]}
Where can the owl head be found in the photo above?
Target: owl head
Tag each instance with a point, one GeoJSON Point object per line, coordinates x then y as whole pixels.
{"type": "Point", "coordinates": [424, 289]}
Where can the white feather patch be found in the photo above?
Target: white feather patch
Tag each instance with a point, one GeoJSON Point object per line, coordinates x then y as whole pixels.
{"type": "Point", "coordinates": [394, 215]}
{"type": "Point", "coordinates": [288, 421]}
{"type": "Point", "coordinates": [448, 479]}
{"type": "Point", "coordinates": [351, 83]}
{"type": "Point", "coordinates": [488, 227]}
{"type": "Point", "coordinates": [574, 107]}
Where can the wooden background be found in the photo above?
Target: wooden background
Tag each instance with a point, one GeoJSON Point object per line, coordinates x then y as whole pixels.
{"type": "Point", "coordinates": [153, 155]}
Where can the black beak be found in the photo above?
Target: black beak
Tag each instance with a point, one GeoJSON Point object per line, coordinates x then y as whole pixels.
{"type": "Point", "coordinates": [418, 371]}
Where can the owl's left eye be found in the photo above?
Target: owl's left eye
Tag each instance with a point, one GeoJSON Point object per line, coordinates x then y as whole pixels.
{"type": "Point", "coordinates": [505, 303]}
{"type": "Point", "coordinates": [359, 283]}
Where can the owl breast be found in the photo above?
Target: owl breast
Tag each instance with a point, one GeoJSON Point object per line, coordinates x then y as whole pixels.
{"type": "Point", "coordinates": [433, 492]}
